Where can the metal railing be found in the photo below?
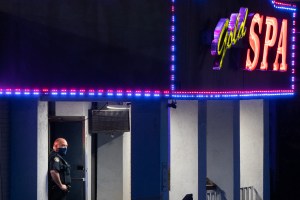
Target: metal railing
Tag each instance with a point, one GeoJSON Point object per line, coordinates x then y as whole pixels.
{"type": "Point", "coordinates": [247, 193]}
{"type": "Point", "coordinates": [213, 195]}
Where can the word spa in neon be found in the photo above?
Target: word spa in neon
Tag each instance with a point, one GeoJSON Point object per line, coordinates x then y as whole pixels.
{"type": "Point", "coordinates": [229, 31]}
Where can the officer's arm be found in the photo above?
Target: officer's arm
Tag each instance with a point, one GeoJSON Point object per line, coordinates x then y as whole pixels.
{"type": "Point", "coordinates": [56, 178]}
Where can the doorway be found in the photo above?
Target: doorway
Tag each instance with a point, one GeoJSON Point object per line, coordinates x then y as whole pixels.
{"type": "Point", "coordinates": [72, 129]}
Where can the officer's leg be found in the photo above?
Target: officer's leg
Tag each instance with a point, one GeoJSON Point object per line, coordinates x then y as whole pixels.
{"type": "Point", "coordinates": [57, 194]}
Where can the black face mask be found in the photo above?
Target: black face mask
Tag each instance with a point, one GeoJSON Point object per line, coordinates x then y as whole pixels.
{"type": "Point", "coordinates": [62, 151]}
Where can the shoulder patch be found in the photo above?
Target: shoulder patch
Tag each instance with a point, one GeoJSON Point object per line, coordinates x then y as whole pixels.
{"type": "Point", "coordinates": [56, 159]}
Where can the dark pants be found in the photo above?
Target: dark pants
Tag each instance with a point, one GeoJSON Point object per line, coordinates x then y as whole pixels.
{"type": "Point", "coordinates": [55, 193]}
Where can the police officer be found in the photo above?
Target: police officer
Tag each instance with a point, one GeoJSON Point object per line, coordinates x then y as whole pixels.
{"type": "Point", "coordinates": [59, 177]}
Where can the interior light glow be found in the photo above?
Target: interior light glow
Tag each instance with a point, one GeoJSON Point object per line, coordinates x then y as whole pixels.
{"type": "Point", "coordinates": [118, 107]}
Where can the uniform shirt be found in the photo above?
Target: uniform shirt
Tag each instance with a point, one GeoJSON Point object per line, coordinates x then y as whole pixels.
{"type": "Point", "coordinates": [57, 163]}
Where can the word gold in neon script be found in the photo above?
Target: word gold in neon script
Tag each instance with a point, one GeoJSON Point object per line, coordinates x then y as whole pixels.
{"type": "Point", "coordinates": [228, 32]}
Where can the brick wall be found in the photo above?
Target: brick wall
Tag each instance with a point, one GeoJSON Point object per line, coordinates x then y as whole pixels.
{"type": "Point", "coordinates": [4, 149]}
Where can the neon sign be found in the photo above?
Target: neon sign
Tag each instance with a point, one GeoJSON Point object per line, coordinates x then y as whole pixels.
{"type": "Point", "coordinates": [223, 39]}
{"type": "Point", "coordinates": [228, 32]}
{"type": "Point", "coordinates": [272, 25]}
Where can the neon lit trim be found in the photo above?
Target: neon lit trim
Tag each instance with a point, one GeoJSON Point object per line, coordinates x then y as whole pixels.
{"type": "Point", "coordinates": [173, 47]}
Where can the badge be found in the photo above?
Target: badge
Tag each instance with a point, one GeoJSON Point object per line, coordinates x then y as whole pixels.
{"type": "Point", "coordinates": [56, 159]}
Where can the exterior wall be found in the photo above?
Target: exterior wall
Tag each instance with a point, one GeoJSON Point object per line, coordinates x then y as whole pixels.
{"type": "Point", "coordinates": [4, 149]}
{"type": "Point", "coordinates": [110, 166]}
{"type": "Point", "coordinates": [72, 108]}
{"type": "Point", "coordinates": [223, 146]}
{"type": "Point", "coordinates": [184, 150]}
{"type": "Point", "coordinates": [252, 145]}
{"type": "Point", "coordinates": [29, 145]}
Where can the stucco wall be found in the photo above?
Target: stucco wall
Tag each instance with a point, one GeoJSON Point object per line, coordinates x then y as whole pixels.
{"type": "Point", "coordinates": [110, 166]}
{"type": "Point", "coordinates": [42, 151]}
{"type": "Point", "coordinates": [184, 150]}
{"type": "Point", "coordinates": [252, 144]}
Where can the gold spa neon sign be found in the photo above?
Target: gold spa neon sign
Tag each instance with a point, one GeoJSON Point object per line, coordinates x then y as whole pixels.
{"type": "Point", "coordinates": [229, 31]}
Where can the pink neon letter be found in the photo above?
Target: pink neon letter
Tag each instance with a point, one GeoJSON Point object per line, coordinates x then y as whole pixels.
{"type": "Point", "coordinates": [269, 42]}
{"type": "Point", "coordinates": [281, 49]}
{"type": "Point", "coordinates": [254, 42]}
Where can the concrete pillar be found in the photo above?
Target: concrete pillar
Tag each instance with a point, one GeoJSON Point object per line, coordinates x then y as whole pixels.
{"type": "Point", "coordinates": [148, 154]}
{"type": "Point", "coordinates": [254, 146]}
{"type": "Point", "coordinates": [24, 150]}
{"type": "Point", "coordinates": [202, 153]}
{"type": "Point", "coordinates": [42, 157]}
{"type": "Point", "coordinates": [184, 150]}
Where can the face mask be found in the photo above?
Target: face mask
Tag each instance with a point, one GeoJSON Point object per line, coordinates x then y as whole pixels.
{"type": "Point", "coordinates": [62, 151]}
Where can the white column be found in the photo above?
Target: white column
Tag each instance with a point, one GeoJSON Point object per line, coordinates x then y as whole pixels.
{"type": "Point", "coordinates": [42, 150]}
{"type": "Point", "coordinates": [252, 145]}
{"type": "Point", "coordinates": [184, 150]}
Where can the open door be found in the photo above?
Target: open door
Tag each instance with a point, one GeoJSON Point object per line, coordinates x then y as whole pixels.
{"type": "Point", "coordinates": [72, 129]}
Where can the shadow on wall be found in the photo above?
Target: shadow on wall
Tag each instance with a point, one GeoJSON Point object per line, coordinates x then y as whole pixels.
{"type": "Point", "coordinates": [257, 197]}
{"type": "Point", "coordinates": [188, 197]}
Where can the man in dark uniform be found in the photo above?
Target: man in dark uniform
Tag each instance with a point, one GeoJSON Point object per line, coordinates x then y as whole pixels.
{"type": "Point", "coordinates": [59, 177]}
